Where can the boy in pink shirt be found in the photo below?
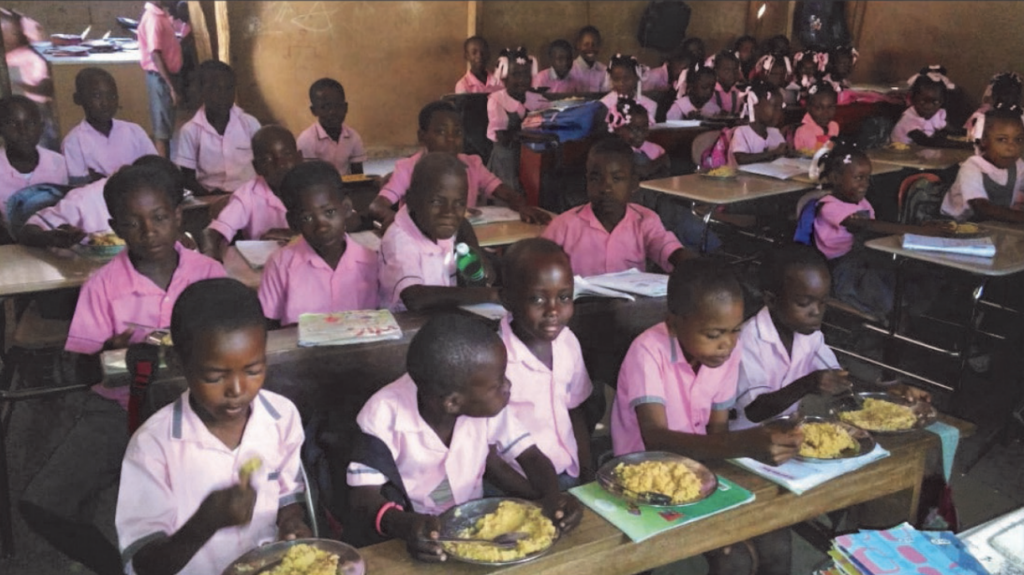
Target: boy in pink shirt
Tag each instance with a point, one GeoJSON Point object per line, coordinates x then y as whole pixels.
{"type": "Point", "coordinates": [324, 270]}
{"type": "Point", "coordinates": [23, 162]}
{"type": "Point", "coordinates": [589, 75]}
{"type": "Point", "coordinates": [477, 79]}
{"type": "Point", "coordinates": [119, 305]}
{"type": "Point", "coordinates": [329, 138]}
{"type": "Point", "coordinates": [557, 79]}
{"type": "Point", "coordinates": [254, 210]}
{"type": "Point", "coordinates": [426, 438]}
{"type": "Point", "coordinates": [817, 127]}
{"type": "Point", "coordinates": [610, 234]}
{"type": "Point", "coordinates": [188, 504]}
{"type": "Point", "coordinates": [161, 58]}
{"type": "Point", "coordinates": [101, 144]}
{"type": "Point", "coordinates": [215, 146]}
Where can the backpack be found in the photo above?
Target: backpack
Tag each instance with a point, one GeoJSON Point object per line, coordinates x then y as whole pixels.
{"type": "Point", "coordinates": [27, 201]}
{"type": "Point", "coordinates": [804, 233]}
{"type": "Point", "coordinates": [573, 123]}
{"type": "Point", "coordinates": [718, 154]}
{"type": "Point", "coordinates": [663, 25]}
{"type": "Point", "coordinates": [923, 202]}
{"type": "Point", "coordinates": [874, 132]}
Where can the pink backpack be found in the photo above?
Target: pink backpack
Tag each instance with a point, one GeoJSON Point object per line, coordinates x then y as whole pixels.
{"type": "Point", "coordinates": [718, 154]}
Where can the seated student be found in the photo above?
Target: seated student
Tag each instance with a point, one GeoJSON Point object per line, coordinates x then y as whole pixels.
{"type": "Point", "coordinates": [817, 127]}
{"type": "Point", "coordinates": [611, 234]}
{"type": "Point", "coordinates": [24, 162]}
{"type": "Point", "coordinates": [137, 288]}
{"type": "Point", "coordinates": [477, 80]}
{"type": "Point", "coordinates": [324, 270]}
{"type": "Point", "coordinates": [676, 386]}
{"type": "Point", "coordinates": [254, 210]}
{"type": "Point", "coordinates": [557, 79]}
{"type": "Point", "coordinates": [506, 110]}
{"type": "Point", "coordinates": [329, 138]}
{"type": "Point", "coordinates": [695, 88]}
{"type": "Point", "coordinates": [777, 70]}
{"type": "Point", "coordinates": [440, 130]}
{"type": "Point", "coordinates": [187, 504]}
{"type": "Point", "coordinates": [810, 67]}
{"type": "Point", "coordinates": [924, 122]}
{"type": "Point", "coordinates": [1004, 88]}
{"type": "Point", "coordinates": [679, 61]}
{"type": "Point", "coordinates": [728, 96]}
{"type": "Point", "coordinates": [760, 140]}
{"type": "Point", "coordinates": [100, 144]}
{"type": "Point", "coordinates": [778, 44]}
{"type": "Point", "coordinates": [629, 122]}
{"type": "Point", "coordinates": [990, 186]}
{"type": "Point", "coordinates": [417, 254]}
{"type": "Point", "coordinates": [214, 148]}
{"type": "Point", "coordinates": [426, 438]}
{"type": "Point", "coordinates": [589, 75]}
{"type": "Point", "coordinates": [624, 73]}
{"type": "Point", "coordinates": [745, 48]}
{"type": "Point", "coordinates": [841, 61]}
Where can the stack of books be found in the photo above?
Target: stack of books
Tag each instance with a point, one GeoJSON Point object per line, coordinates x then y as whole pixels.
{"type": "Point", "coordinates": [901, 550]}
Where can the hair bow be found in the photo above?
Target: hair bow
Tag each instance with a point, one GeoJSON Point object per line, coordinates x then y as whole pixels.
{"type": "Point", "coordinates": [621, 113]}
{"type": "Point", "coordinates": [750, 101]}
{"type": "Point", "coordinates": [821, 58]}
{"type": "Point", "coordinates": [936, 73]}
{"type": "Point", "coordinates": [520, 57]}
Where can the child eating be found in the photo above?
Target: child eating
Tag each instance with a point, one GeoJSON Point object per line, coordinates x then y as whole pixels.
{"type": "Point", "coordinates": [924, 122]}
{"type": "Point", "coordinates": [696, 86]}
{"type": "Point", "coordinates": [506, 110]}
{"type": "Point", "coordinates": [557, 78]}
{"type": "Point", "coordinates": [324, 270]}
{"type": "Point", "coordinates": [24, 162]}
{"type": "Point", "coordinates": [817, 127]}
{"type": "Point", "coordinates": [329, 138]}
{"type": "Point", "coordinates": [188, 501]}
{"type": "Point", "coordinates": [760, 140]}
{"type": "Point", "coordinates": [427, 436]}
{"type": "Point", "coordinates": [477, 80]}
{"type": "Point", "coordinates": [589, 75]}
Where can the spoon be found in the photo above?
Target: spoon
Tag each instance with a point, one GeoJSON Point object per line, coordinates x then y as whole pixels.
{"type": "Point", "coordinates": [505, 540]}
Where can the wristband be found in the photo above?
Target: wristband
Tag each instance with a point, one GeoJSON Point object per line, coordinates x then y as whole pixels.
{"type": "Point", "coordinates": [384, 509]}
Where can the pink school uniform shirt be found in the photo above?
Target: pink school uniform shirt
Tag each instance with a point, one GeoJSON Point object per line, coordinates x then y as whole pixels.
{"type": "Point", "coordinates": [296, 280]}
{"type": "Point", "coordinates": [810, 136]}
{"type": "Point", "coordinates": [655, 371]}
{"type": "Point", "coordinates": [253, 209]}
{"type": "Point", "coordinates": [50, 169]}
{"type": "Point", "coordinates": [28, 69]}
{"type": "Point", "coordinates": [83, 208]}
{"type": "Point", "coordinates": [766, 366]}
{"type": "Point", "coordinates": [590, 79]}
{"type": "Point", "coordinates": [86, 148]}
{"type": "Point", "coordinates": [481, 181]}
{"type": "Point", "coordinates": [746, 140]}
{"type": "Point", "coordinates": [156, 33]}
{"type": "Point", "coordinates": [500, 105]}
{"type": "Point", "coordinates": [408, 258]}
{"type": "Point", "coordinates": [436, 477]}
{"type": "Point", "coordinates": [593, 251]}
{"type": "Point", "coordinates": [656, 79]}
{"type": "Point", "coordinates": [548, 78]}
{"type": "Point", "coordinates": [611, 99]}
{"type": "Point", "coordinates": [173, 462]}
{"type": "Point", "coordinates": [911, 121]}
{"type": "Point", "coordinates": [683, 107]}
{"type": "Point", "coordinates": [221, 162]}
{"type": "Point", "coordinates": [541, 398]}
{"type": "Point", "coordinates": [315, 144]}
{"type": "Point", "coordinates": [731, 100]}
{"type": "Point", "coordinates": [469, 84]}
{"type": "Point", "coordinates": [650, 149]}
{"type": "Point", "coordinates": [831, 238]}
{"type": "Point", "coordinates": [970, 185]}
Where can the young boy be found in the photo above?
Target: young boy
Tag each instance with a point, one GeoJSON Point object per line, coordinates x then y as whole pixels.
{"type": "Point", "coordinates": [23, 162]}
{"type": "Point", "coordinates": [557, 78]}
{"type": "Point", "coordinates": [417, 253]}
{"type": "Point", "coordinates": [329, 138]}
{"type": "Point", "coordinates": [426, 438]}
{"type": "Point", "coordinates": [215, 149]}
{"type": "Point", "coordinates": [137, 288]}
{"type": "Point", "coordinates": [324, 270]}
{"type": "Point", "coordinates": [477, 79]}
{"type": "Point", "coordinates": [255, 210]}
{"type": "Point", "coordinates": [187, 502]}
{"type": "Point", "coordinates": [610, 234]}
{"type": "Point", "coordinates": [100, 144]}
{"type": "Point", "coordinates": [589, 75]}
{"type": "Point", "coordinates": [161, 57]}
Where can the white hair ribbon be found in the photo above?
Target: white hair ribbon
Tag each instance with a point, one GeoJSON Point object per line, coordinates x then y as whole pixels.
{"type": "Point", "coordinates": [620, 114]}
{"type": "Point", "coordinates": [750, 100]}
{"type": "Point", "coordinates": [681, 84]}
{"type": "Point", "coordinates": [815, 171]}
{"type": "Point", "coordinates": [935, 73]}
{"type": "Point", "coordinates": [821, 58]}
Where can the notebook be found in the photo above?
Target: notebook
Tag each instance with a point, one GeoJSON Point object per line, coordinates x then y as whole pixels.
{"type": "Point", "coordinates": [583, 288]}
{"type": "Point", "coordinates": [800, 476]}
{"type": "Point", "coordinates": [347, 327]}
{"type": "Point", "coordinates": [491, 214]}
{"type": "Point", "coordinates": [782, 168]}
{"type": "Point", "coordinates": [256, 252]}
{"type": "Point", "coordinates": [982, 247]}
{"type": "Point", "coordinates": [633, 281]}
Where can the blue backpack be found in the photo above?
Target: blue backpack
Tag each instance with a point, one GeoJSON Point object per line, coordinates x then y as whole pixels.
{"type": "Point", "coordinates": [805, 223]}
{"type": "Point", "coordinates": [573, 123]}
{"type": "Point", "coordinates": [27, 201]}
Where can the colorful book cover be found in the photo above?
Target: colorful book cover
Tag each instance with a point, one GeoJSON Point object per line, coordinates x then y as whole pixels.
{"type": "Point", "coordinates": [642, 522]}
{"type": "Point", "coordinates": [901, 550]}
{"type": "Point", "coordinates": [347, 327]}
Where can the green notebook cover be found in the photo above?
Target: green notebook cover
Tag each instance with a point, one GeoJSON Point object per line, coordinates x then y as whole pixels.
{"type": "Point", "coordinates": [654, 520]}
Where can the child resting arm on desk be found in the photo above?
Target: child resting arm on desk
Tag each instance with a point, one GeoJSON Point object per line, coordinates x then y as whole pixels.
{"type": "Point", "coordinates": [924, 122]}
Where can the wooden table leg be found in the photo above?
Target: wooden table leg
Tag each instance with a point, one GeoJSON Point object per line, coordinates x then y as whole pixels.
{"type": "Point", "coordinates": [891, 510]}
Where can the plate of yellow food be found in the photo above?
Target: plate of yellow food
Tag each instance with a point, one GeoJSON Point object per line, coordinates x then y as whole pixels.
{"type": "Point", "coordinates": [720, 173]}
{"type": "Point", "coordinates": [657, 478]}
{"type": "Point", "coordinates": [490, 518]}
{"type": "Point", "coordinates": [884, 413]}
{"type": "Point", "coordinates": [103, 244]}
{"type": "Point", "coordinates": [828, 440]}
{"type": "Point", "coordinates": [300, 557]}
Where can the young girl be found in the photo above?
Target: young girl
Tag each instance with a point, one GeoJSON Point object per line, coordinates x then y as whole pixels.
{"type": "Point", "coordinates": [589, 75]}
{"type": "Point", "coordinates": [746, 52]}
{"type": "Point", "coordinates": [777, 70]}
{"type": "Point", "coordinates": [629, 122]}
{"type": "Point", "coordinates": [841, 61]}
{"type": "Point", "coordinates": [625, 73]}
{"type": "Point", "coordinates": [810, 65]}
{"type": "Point", "coordinates": [477, 79]}
{"type": "Point", "coordinates": [728, 96]}
{"type": "Point", "coordinates": [676, 65]}
{"type": "Point", "coordinates": [924, 122]}
{"type": "Point", "coordinates": [23, 162]}
{"type": "Point", "coordinates": [1005, 89]}
{"type": "Point", "coordinates": [760, 140]}
{"type": "Point", "coordinates": [817, 127]}
{"type": "Point", "coordinates": [557, 79]}
{"type": "Point", "coordinates": [506, 110]}
{"type": "Point", "coordinates": [695, 87]}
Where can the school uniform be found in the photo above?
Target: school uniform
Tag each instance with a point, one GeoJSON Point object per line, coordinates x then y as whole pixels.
{"type": "Point", "coordinates": [86, 148]}
{"type": "Point", "coordinates": [50, 169]}
{"type": "Point", "coordinates": [611, 100]}
{"type": "Point", "coordinates": [656, 79]}
{"type": "Point", "coordinates": [156, 33]}
{"type": "Point", "coordinates": [593, 251]}
{"type": "Point", "coordinates": [766, 366]}
{"type": "Point", "coordinates": [911, 121]}
{"type": "Point", "coordinates": [173, 462]}
{"type": "Point", "coordinates": [481, 181]}
{"type": "Point", "coordinates": [541, 397]}
{"type": "Point", "coordinates": [830, 236]}
{"type": "Point", "coordinates": [683, 107]}
{"type": "Point", "coordinates": [656, 371]}
{"type": "Point", "coordinates": [979, 179]}
{"type": "Point", "coordinates": [977, 115]}
{"type": "Point", "coordinates": [506, 113]}
{"type": "Point", "coordinates": [810, 136]}
{"type": "Point", "coordinates": [548, 78]}
{"type": "Point", "coordinates": [746, 140]}
{"type": "Point", "coordinates": [436, 477]}
{"type": "Point", "coordinates": [315, 144]}
{"type": "Point", "coordinates": [220, 162]}
{"type": "Point", "coordinates": [469, 84]}
{"type": "Point", "coordinates": [408, 258]}
{"type": "Point", "coordinates": [252, 209]}
{"type": "Point", "coordinates": [83, 208]}
{"type": "Point", "coordinates": [590, 79]}
{"type": "Point", "coordinates": [297, 280]}
{"type": "Point", "coordinates": [731, 100]}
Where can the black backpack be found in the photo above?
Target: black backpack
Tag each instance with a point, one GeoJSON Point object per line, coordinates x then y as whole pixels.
{"type": "Point", "coordinates": [663, 25]}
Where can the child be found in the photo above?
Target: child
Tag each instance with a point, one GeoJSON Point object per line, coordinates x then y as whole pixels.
{"type": "Point", "coordinates": [590, 75]}
{"type": "Point", "coordinates": [610, 234]}
{"type": "Point", "coordinates": [776, 69]}
{"type": "Point", "coordinates": [746, 52]}
{"type": "Point", "coordinates": [417, 253]}
{"type": "Point", "coordinates": [477, 79]}
{"type": "Point", "coordinates": [778, 44]}
{"type": "Point", "coordinates": [254, 210]}
{"type": "Point", "coordinates": [28, 70]}
{"type": "Point", "coordinates": [324, 270]}
{"type": "Point", "coordinates": [215, 149]}
{"type": "Point", "coordinates": [811, 65]}
{"type": "Point", "coordinates": [666, 76]}
{"type": "Point", "coordinates": [924, 122]}
{"type": "Point", "coordinates": [187, 503]}
{"type": "Point", "coordinates": [695, 88]}
{"type": "Point", "coordinates": [990, 186]}
{"type": "Point", "coordinates": [100, 144]}
{"type": "Point", "coordinates": [676, 386]}
{"type": "Point", "coordinates": [329, 138]}
{"type": "Point", "coordinates": [695, 46]}
{"type": "Point", "coordinates": [760, 140]}
{"type": "Point", "coordinates": [161, 57]}
{"type": "Point", "coordinates": [137, 288]}
{"type": "Point", "coordinates": [629, 122]}
{"type": "Point", "coordinates": [506, 110]}
{"type": "Point", "coordinates": [728, 96]}
{"type": "Point", "coordinates": [440, 130]}
{"type": "Point", "coordinates": [841, 61]}
{"type": "Point", "coordinates": [428, 434]}
{"type": "Point", "coordinates": [817, 127]}
{"type": "Point", "coordinates": [625, 73]}
{"type": "Point", "coordinates": [1005, 89]}
{"type": "Point", "coordinates": [24, 162]}
{"type": "Point", "coordinates": [557, 78]}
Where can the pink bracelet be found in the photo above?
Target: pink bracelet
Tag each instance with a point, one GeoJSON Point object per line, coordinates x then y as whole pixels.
{"type": "Point", "coordinates": [384, 509]}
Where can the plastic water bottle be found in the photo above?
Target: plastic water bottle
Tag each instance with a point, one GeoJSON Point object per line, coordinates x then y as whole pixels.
{"type": "Point", "coordinates": [471, 269]}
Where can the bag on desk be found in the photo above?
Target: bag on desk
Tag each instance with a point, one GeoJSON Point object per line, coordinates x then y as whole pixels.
{"type": "Point", "coordinates": [573, 123]}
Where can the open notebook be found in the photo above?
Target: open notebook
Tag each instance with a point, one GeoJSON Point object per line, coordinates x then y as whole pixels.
{"type": "Point", "coordinates": [624, 285]}
{"type": "Point", "coordinates": [347, 327]}
{"type": "Point", "coordinates": [782, 168]}
{"type": "Point", "coordinates": [982, 247]}
{"type": "Point", "coordinates": [256, 252]}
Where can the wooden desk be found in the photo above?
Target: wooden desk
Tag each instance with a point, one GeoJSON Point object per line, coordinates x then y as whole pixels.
{"type": "Point", "coordinates": [32, 270]}
{"type": "Point", "coordinates": [505, 233]}
{"type": "Point", "coordinates": [921, 158]}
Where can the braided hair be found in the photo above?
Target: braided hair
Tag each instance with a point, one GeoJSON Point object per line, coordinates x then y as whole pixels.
{"type": "Point", "coordinates": [510, 56]}
{"type": "Point", "coordinates": [629, 63]}
{"type": "Point", "coordinates": [691, 74]}
{"type": "Point", "coordinates": [832, 157]}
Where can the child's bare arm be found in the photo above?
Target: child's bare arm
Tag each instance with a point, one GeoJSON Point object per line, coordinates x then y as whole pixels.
{"type": "Point", "coordinates": [506, 478]}
{"type": "Point", "coordinates": [938, 140]}
{"type": "Point", "coordinates": [681, 255]}
{"type": "Point", "coordinates": [768, 405]}
{"type": "Point", "coordinates": [380, 210]}
{"type": "Point", "coordinates": [191, 183]}
{"type": "Point", "coordinates": [561, 508]}
{"type": "Point", "coordinates": [983, 210]}
{"type": "Point", "coordinates": [214, 244]}
{"type": "Point", "coordinates": [416, 529]}
{"type": "Point", "coordinates": [291, 523]}
{"type": "Point", "coordinates": [516, 201]}
{"type": "Point", "coordinates": [582, 434]}
{"type": "Point", "coordinates": [161, 68]}
{"type": "Point", "coordinates": [64, 236]}
{"type": "Point", "coordinates": [421, 297]}
{"type": "Point", "coordinates": [765, 156]}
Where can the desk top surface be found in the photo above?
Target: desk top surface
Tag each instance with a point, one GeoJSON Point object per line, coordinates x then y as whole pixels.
{"type": "Point", "coordinates": [921, 158]}
{"type": "Point", "coordinates": [710, 190]}
{"type": "Point", "coordinates": [1009, 258]}
{"type": "Point", "coordinates": [27, 270]}
{"type": "Point", "coordinates": [877, 169]}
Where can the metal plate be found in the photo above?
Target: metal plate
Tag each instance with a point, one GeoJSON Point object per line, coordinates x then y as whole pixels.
{"type": "Point", "coordinates": [263, 559]}
{"type": "Point", "coordinates": [606, 476]}
{"type": "Point", "coordinates": [463, 517]}
{"type": "Point", "coordinates": [865, 443]}
{"type": "Point", "coordinates": [924, 411]}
